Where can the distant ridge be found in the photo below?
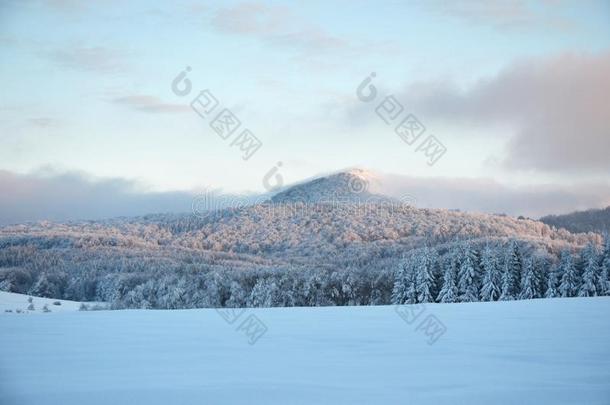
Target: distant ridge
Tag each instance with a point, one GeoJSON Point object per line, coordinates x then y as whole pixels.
{"type": "Point", "coordinates": [593, 220]}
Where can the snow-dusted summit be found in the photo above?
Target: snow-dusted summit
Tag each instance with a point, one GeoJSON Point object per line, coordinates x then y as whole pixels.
{"type": "Point", "coordinates": [353, 185]}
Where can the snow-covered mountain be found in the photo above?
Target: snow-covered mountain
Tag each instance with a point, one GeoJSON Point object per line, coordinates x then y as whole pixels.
{"type": "Point", "coordinates": [300, 241]}
{"type": "Point", "coordinates": [354, 185]}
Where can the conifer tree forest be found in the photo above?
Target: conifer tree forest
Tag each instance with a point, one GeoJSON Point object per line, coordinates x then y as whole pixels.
{"type": "Point", "coordinates": [171, 262]}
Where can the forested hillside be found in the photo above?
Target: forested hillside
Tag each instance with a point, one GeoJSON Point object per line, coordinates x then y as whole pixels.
{"type": "Point", "coordinates": [277, 253]}
{"type": "Point", "coordinates": [594, 220]}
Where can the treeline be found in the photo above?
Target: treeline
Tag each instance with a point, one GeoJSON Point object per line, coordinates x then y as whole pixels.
{"type": "Point", "coordinates": [467, 274]}
{"type": "Point", "coordinates": [460, 272]}
{"type": "Point", "coordinates": [267, 254]}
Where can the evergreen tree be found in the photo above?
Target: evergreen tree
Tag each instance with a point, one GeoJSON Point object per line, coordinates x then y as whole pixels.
{"type": "Point", "coordinates": [552, 284]}
{"type": "Point", "coordinates": [490, 290]}
{"type": "Point", "coordinates": [425, 262]}
{"type": "Point", "coordinates": [514, 266]}
{"type": "Point", "coordinates": [449, 291]}
{"type": "Point", "coordinates": [528, 281]}
{"type": "Point", "coordinates": [541, 272]}
{"type": "Point", "coordinates": [569, 282]}
{"type": "Point", "coordinates": [411, 282]}
{"type": "Point", "coordinates": [603, 279]}
{"type": "Point", "coordinates": [399, 291]}
{"type": "Point", "coordinates": [508, 282]}
{"type": "Point", "coordinates": [590, 274]}
{"type": "Point", "coordinates": [467, 276]}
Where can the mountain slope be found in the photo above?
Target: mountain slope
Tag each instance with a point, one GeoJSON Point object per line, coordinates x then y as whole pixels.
{"type": "Point", "coordinates": [204, 260]}
{"type": "Point", "coordinates": [594, 220]}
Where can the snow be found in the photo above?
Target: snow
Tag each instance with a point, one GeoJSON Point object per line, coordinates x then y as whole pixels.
{"type": "Point", "coordinates": [13, 302]}
{"type": "Point", "coordinates": [552, 351]}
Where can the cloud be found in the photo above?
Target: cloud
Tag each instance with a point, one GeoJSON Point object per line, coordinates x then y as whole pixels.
{"type": "Point", "coordinates": [556, 109]}
{"type": "Point", "coordinates": [49, 195]}
{"type": "Point", "coordinates": [486, 195]}
{"type": "Point", "coordinates": [75, 196]}
{"type": "Point", "coordinates": [44, 196]}
{"type": "Point", "coordinates": [251, 18]}
{"type": "Point", "coordinates": [61, 196]}
{"type": "Point", "coordinates": [43, 122]}
{"type": "Point", "coordinates": [277, 26]}
{"type": "Point", "coordinates": [91, 59]}
{"type": "Point", "coordinates": [150, 104]}
{"type": "Point", "coordinates": [514, 15]}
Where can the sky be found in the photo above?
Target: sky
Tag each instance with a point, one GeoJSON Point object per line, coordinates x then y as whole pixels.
{"type": "Point", "coordinates": [514, 91]}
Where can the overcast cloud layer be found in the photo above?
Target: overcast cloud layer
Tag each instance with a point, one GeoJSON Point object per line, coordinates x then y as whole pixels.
{"type": "Point", "coordinates": [557, 109]}
{"type": "Point", "coordinates": [75, 196]}
{"type": "Point", "coordinates": [486, 195]}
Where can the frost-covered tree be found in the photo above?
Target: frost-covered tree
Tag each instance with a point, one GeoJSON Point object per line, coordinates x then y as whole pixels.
{"type": "Point", "coordinates": [467, 275]}
{"type": "Point", "coordinates": [379, 294]}
{"type": "Point", "coordinates": [514, 264]}
{"type": "Point", "coordinates": [287, 288]}
{"type": "Point", "coordinates": [6, 285]}
{"type": "Point", "coordinates": [590, 275]}
{"type": "Point", "coordinates": [237, 296]}
{"type": "Point", "coordinates": [169, 293]}
{"type": "Point", "coordinates": [528, 281]}
{"type": "Point", "coordinates": [552, 287]}
{"type": "Point", "coordinates": [568, 286]}
{"type": "Point", "coordinates": [263, 294]}
{"type": "Point", "coordinates": [314, 289]}
{"type": "Point", "coordinates": [541, 272]}
{"type": "Point", "coordinates": [399, 290]}
{"type": "Point", "coordinates": [424, 273]}
{"type": "Point", "coordinates": [603, 279]}
{"type": "Point", "coordinates": [214, 283]}
{"type": "Point", "coordinates": [136, 298]}
{"type": "Point", "coordinates": [411, 283]}
{"type": "Point", "coordinates": [508, 283]}
{"type": "Point", "coordinates": [449, 290]}
{"type": "Point", "coordinates": [44, 287]}
{"type": "Point", "coordinates": [405, 289]}
{"type": "Point", "coordinates": [490, 289]}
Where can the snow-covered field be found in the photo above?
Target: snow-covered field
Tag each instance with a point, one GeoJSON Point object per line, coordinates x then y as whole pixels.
{"type": "Point", "coordinates": [554, 351]}
{"type": "Point", "coordinates": [19, 303]}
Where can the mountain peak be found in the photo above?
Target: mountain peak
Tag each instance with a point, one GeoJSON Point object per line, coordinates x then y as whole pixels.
{"type": "Point", "coordinates": [360, 173]}
{"type": "Point", "coordinates": [352, 185]}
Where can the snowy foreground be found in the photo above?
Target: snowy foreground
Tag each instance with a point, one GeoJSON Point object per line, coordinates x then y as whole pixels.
{"type": "Point", "coordinates": [19, 303]}
{"type": "Point", "coordinates": [525, 352]}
